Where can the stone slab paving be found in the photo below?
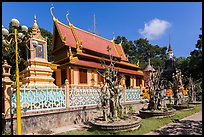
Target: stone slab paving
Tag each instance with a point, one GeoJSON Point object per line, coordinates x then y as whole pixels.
{"type": "Point", "coordinates": [68, 128]}
{"type": "Point", "coordinates": [191, 125]}
{"type": "Point", "coordinates": [64, 129]}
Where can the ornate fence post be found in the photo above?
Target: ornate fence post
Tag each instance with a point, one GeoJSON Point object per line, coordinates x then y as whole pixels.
{"type": "Point", "coordinates": [67, 94]}
{"type": "Point", "coordinates": [6, 81]}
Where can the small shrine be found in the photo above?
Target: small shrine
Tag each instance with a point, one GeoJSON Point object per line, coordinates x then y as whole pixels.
{"type": "Point", "coordinates": [148, 73]}
{"type": "Point", "coordinates": [38, 70]}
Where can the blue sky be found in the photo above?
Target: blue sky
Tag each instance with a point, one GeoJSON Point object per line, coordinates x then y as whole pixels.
{"type": "Point", "coordinates": [152, 20]}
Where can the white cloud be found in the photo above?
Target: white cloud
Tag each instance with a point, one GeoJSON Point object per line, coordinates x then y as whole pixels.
{"type": "Point", "coordinates": [154, 29]}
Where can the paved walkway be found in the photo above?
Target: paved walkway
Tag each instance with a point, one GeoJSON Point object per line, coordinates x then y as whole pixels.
{"type": "Point", "coordinates": [63, 129]}
{"type": "Point", "coordinates": [191, 125]}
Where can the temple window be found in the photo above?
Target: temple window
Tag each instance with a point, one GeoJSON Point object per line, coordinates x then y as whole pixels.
{"type": "Point", "coordinates": [63, 75]}
{"type": "Point", "coordinates": [100, 78]}
{"type": "Point", "coordinates": [82, 76]}
{"type": "Point", "coordinates": [138, 81]}
{"type": "Point", "coordinates": [127, 81]}
{"type": "Point", "coordinates": [133, 82]}
{"type": "Point", "coordinates": [40, 51]}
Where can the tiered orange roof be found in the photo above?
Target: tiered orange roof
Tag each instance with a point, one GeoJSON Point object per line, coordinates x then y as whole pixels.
{"type": "Point", "coordinates": [90, 41]}
{"type": "Point", "coordinates": [70, 35]}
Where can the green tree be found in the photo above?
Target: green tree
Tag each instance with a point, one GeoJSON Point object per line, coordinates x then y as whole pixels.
{"type": "Point", "coordinates": [129, 48]}
{"type": "Point", "coordinates": [192, 65]}
{"type": "Point", "coordinates": [142, 50]}
{"type": "Point", "coordinates": [8, 53]}
{"type": "Point", "coordinates": [195, 63]}
{"type": "Point", "coordinates": [182, 63]}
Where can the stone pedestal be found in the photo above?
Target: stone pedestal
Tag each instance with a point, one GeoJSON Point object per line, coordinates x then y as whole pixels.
{"type": "Point", "coordinates": [37, 73]}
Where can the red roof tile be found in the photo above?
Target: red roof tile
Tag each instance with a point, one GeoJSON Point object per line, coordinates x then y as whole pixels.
{"type": "Point", "coordinates": [89, 41]}
{"type": "Point", "coordinates": [66, 31]}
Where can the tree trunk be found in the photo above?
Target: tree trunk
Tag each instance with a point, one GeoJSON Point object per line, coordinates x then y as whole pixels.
{"type": "Point", "coordinates": [105, 114]}
{"type": "Point", "coordinates": [115, 109]}
{"type": "Point", "coordinates": [175, 98]}
{"type": "Point", "coordinates": [111, 108]}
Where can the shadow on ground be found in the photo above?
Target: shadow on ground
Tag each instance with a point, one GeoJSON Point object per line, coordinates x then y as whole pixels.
{"type": "Point", "coordinates": [183, 127]}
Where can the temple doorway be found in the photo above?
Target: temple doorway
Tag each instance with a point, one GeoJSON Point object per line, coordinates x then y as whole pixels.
{"type": "Point", "coordinates": [127, 81]}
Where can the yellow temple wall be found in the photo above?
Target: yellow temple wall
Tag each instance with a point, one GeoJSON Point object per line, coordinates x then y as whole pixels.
{"type": "Point", "coordinates": [89, 77]}
{"type": "Point", "coordinates": [76, 76]}
{"type": "Point", "coordinates": [95, 78]}
{"type": "Point", "coordinates": [58, 77]}
{"type": "Point", "coordinates": [134, 79]}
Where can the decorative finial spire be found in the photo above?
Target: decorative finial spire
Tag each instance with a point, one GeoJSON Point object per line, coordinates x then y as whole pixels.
{"type": "Point", "coordinates": [35, 18]}
{"type": "Point", "coordinates": [138, 63]}
{"type": "Point", "coordinates": [53, 17]}
{"type": "Point", "coordinates": [170, 49]}
{"type": "Point", "coordinates": [121, 41]}
{"type": "Point", "coordinates": [170, 52]}
{"type": "Point", "coordinates": [35, 29]}
{"type": "Point", "coordinates": [68, 18]}
{"type": "Point", "coordinates": [35, 25]}
{"type": "Point", "coordinates": [113, 36]}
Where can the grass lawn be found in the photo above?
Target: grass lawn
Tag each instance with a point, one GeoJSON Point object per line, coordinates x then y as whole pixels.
{"type": "Point", "coordinates": [148, 124]}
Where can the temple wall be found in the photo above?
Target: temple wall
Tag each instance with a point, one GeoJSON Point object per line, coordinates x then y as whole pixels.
{"type": "Point", "coordinates": [95, 78]}
{"type": "Point", "coordinates": [89, 77]}
{"type": "Point", "coordinates": [49, 120]}
{"type": "Point", "coordinates": [58, 77]}
{"type": "Point", "coordinates": [134, 86]}
{"type": "Point", "coordinates": [76, 76]}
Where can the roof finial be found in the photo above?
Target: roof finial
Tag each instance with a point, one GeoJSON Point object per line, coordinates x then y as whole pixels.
{"type": "Point", "coordinates": [35, 18]}
{"type": "Point", "coordinates": [121, 41]}
{"type": "Point", "coordinates": [35, 25]}
{"type": "Point", "coordinates": [52, 12]}
{"type": "Point", "coordinates": [68, 18]}
{"type": "Point", "coordinates": [149, 61]}
{"type": "Point", "coordinates": [170, 49]}
{"type": "Point", "coordinates": [113, 36]}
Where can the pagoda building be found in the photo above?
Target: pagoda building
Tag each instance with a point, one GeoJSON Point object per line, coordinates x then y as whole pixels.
{"type": "Point", "coordinates": [169, 67]}
{"type": "Point", "coordinates": [78, 54]}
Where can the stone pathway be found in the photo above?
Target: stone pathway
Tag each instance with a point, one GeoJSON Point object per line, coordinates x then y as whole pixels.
{"type": "Point", "coordinates": [68, 128]}
{"type": "Point", "coordinates": [191, 125]}
{"type": "Point", "coordinates": [64, 129]}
